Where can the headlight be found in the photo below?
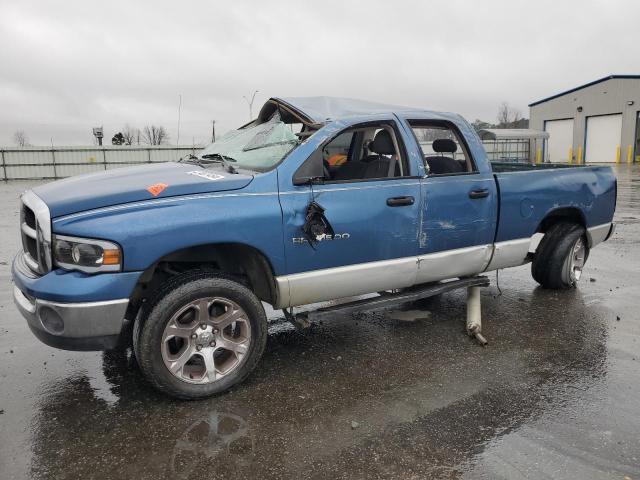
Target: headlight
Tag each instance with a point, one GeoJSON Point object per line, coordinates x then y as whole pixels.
{"type": "Point", "coordinates": [86, 254]}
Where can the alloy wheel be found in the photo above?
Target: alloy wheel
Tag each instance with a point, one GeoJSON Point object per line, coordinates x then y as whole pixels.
{"type": "Point", "coordinates": [206, 340]}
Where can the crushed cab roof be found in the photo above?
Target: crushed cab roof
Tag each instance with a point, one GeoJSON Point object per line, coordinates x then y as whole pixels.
{"type": "Point", "coordinates": [319, 110]}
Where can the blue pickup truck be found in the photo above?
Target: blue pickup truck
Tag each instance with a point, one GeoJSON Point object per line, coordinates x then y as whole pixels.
{"type": "Point", "coordinates": [316, 199]}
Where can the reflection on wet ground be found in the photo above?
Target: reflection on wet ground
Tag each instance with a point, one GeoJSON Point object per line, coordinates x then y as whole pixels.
{"type": "Point", "coordinates": [553, 396]}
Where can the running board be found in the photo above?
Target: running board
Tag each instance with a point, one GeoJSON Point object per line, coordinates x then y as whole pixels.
{"type": "Point", "coordinates": [388, 301]}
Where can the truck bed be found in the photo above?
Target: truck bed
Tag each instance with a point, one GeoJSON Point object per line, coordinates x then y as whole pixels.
{"type": "Point", "coordinates": [499, 167]}
{"type": "Point", "coordinates": [529, 193]}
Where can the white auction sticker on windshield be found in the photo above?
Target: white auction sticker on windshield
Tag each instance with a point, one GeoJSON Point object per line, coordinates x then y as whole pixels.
{"type": "Point", "coordinates": [207, 175]}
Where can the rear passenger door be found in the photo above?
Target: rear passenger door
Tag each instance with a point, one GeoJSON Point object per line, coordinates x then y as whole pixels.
{"type": "Point", "coordinates": [459, 211]}
{"type": "Point", "coordinates": [371, 197]}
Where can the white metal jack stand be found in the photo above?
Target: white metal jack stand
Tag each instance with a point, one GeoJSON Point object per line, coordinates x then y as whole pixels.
{"type": "Point", "coordinates": [474, 315]}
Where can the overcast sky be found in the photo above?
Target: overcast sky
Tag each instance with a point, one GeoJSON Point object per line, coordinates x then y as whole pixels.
{"type": "Point", "coordinates": [69, 65]}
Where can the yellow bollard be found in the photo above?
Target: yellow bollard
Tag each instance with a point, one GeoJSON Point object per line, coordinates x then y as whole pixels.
{"type": "Point", "coordinates": [629, 154]}
{"type": "Point", "coordinates": [570, 155]}
{"type": "Point", "coordinates": [579, 160]}
{"type": "Point", "coordinates": [539, 155]}
{"type": "Point", "coordinates": [618, 154]}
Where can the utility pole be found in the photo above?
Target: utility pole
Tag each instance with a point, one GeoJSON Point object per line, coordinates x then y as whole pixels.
{"type": "Point", "coordinates": [213, 131]}
{"type": "Point", "coordinates": [179, 112]}
{"type": "Point", "coordinates": [250, 103]}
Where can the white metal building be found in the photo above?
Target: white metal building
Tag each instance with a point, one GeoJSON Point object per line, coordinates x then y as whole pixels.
{"type": "Point", "coordinates": [598, 122]}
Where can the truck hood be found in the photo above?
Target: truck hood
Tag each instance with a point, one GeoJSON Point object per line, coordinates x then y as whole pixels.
{"type": "Point", "coordinates": [132, 184]}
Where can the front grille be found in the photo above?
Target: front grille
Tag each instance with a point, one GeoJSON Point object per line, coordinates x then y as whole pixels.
{"type": "Point", "coordinates": [29, 217]}
{"type": "Point", "coordinates": [28, 226]}
{"type": "Point", "coordinates": [35, 226]}
{"type": "Point", "coordinates": [30, 246]}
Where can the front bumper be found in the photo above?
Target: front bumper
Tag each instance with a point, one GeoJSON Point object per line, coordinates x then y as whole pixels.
{"type": "Point", "coordinates": [73, 311]}
{"type": "Point", "coordinates": [73, 326]}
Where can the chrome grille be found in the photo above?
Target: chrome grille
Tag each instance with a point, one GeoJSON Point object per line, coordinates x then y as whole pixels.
{"type": "Point", "coordinates": [35, 227]}
{"type": "Point", "coordinates": [28, 217]}
{"type": "Point", "coordinates": [29, 237]}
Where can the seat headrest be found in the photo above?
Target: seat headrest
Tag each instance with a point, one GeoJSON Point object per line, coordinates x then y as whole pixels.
{"type": "Point", "coordinates": [444, 145]}
{"type": "Point", "coordinates": [382, 143]}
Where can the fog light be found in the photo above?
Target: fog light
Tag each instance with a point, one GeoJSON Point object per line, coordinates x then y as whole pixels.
{"type": "Point", "coordinates": [51, 320]}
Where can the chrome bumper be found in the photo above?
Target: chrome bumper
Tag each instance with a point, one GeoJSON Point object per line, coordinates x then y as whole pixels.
{"type": "Point", "coordinates": [600, 233]}
{"type": "Point", "coordinates": [73, 326]}
{"type": "Point", "coordinates": [611, 232]}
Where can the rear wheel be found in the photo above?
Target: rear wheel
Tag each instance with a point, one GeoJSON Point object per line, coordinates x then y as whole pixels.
{"type": "Point", "coordinates": [200, 336]}
{"type": "Point", "coordinates": [561, 256]}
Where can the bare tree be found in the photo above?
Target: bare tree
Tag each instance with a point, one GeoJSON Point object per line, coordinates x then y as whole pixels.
{"type": "Point", "coordinates": [504, 114]}
{"type": "Point", "coordinates": [130, 133]}
{"type": "Point", "coordinates": [508, 117]}
{"type": "Point", "coordinates": [516, 116]}
{"type": "Point", "coordinates": [154, 135]}
{"type": "Point", "coordinates": [20, 138]}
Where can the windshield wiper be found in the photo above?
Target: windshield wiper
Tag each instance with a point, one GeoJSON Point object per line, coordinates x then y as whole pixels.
{"type": "Point", "coordinates": [188, 159]}
{"type": "Point", "coordinates": [219, 158]}
{"type": "Point", "coordinates": [208, 156]}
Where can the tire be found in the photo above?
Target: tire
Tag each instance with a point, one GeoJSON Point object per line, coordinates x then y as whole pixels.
{"type": "Point", "coordinates": [556, 264]}
{"type": "Point", "coordinates": [211, 331]}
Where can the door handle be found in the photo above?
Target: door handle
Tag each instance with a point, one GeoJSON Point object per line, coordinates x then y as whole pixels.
{"type": "Point", "coordinates": [400, 201]}
{"type": "Point", "coordinates": [482, 193]}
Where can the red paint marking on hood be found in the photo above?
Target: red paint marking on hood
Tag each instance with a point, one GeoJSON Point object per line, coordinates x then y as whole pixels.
{"type": "Point", "coordinates": [156, 189]}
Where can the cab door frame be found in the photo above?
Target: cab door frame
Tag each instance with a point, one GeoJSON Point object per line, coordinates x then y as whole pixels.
{"type": "Point", "coordinates": [371, 256]}
{"type": "Point", "coordinates": [458, 226]}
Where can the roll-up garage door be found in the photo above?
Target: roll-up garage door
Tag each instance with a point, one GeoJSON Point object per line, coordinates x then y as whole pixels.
{"type": "Point", "coordinates": [603, 138]}
{"type": "Point", "coordinates": [560, 139]}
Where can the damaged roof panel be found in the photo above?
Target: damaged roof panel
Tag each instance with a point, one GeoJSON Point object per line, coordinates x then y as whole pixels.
{"type": "Point", "coordinates": [319, 110]}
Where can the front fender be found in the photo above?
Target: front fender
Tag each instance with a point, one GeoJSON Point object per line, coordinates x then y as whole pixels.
{"type": "Point", "coordinates": [152, 229]}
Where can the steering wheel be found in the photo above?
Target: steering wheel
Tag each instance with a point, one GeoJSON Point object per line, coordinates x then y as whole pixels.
{"type": "Point", "coordinates": [325, 170]}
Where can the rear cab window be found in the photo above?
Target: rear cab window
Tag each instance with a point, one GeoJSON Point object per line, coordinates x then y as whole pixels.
{"type": "Point", "coordinates": [443, 149]}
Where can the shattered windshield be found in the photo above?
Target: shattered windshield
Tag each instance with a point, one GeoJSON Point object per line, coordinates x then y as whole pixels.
{"type": "Point", "coordinates": [258, 147]}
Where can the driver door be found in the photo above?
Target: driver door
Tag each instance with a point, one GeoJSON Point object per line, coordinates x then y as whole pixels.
{"type": "Point", "coordinates": [372, 201]}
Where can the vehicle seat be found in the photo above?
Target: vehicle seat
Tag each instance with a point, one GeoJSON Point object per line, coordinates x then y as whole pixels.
{"type": "Point", "coordinates": [352, 170]}
{"type": "Point", "coordinates": [439, 164]}
{"type": "Point", "coordinates": [378, 165]}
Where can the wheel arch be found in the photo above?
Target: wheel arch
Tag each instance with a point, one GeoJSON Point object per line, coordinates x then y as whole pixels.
{"type": "Point", "coordinates": [562, 214]}
{"type": "Point", "coordinates": [553, 217]}
{"type": "Point", "coordinates": [243, 263]}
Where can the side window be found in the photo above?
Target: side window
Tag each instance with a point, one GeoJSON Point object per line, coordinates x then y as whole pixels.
{"type": "Point", "coordinates": [443, 151]}
{"type": "Point", "coordinates": [336, 152]}
{"type": "Point", "coordinates": [364, 153]}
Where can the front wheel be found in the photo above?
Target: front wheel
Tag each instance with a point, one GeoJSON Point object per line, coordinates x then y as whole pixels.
{"type": "Point", "coordinates": [561, 256]}
{"type": "Point", "coordinates": [200, 336]}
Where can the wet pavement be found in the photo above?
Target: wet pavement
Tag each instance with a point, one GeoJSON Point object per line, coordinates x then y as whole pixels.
{"type": "Point", "coordinates": [555, 395]}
